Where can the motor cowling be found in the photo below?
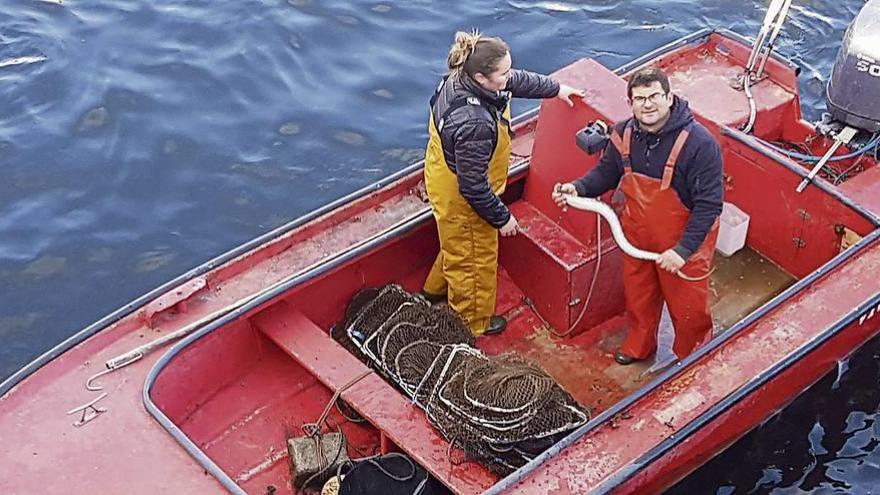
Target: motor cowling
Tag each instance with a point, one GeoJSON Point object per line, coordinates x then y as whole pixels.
{"type": "Point", "coordinates": [853, 94]}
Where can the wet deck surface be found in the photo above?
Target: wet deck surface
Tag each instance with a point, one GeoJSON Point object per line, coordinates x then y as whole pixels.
{"type": "Point", "coordinates": [742, 283]}
{"type": "Point", "coordinates": [584, 364]}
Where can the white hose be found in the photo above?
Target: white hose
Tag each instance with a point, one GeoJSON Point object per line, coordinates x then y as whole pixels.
{"type": "Point", "coordinates": [753, 107]}
{"type": "Point", "coordinates": [596, 206]}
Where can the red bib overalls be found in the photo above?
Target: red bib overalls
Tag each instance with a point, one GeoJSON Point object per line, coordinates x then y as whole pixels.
{"type": "Point", "coordinates": [653, 219]}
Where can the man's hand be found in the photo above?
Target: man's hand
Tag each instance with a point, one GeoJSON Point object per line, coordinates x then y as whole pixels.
{"type": "Point", "coordinates": [566, 92]}
{"type": "Point", "coordinates": [560, 191]}
{"type": "Point", "coordinates": [510, 228]}
{"type": "Point", "coordinates": [670, 261]}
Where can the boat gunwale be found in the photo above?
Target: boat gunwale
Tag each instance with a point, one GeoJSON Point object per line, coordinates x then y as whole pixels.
{"type": "Point", "coordinates": [715, 343]}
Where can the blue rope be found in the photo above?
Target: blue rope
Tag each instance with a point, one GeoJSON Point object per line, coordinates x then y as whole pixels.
{"type": "Point", "coordinates": [872, 144]}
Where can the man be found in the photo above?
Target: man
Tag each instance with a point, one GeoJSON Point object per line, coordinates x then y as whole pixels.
{"type": "Point", "coordinates": [668, 169]}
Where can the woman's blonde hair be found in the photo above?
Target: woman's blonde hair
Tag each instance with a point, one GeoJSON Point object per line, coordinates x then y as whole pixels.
{"type": "Point", "coordinates": [473, 53]}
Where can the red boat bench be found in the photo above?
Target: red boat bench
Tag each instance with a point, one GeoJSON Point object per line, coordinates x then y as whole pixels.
{"type": "Point", "coordinates": [554, 269]}
{"type": "Point", "coordinates": [377, 401]}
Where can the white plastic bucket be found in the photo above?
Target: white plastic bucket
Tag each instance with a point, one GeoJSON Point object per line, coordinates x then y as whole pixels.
{"type": "Point", "coordinates": [734, 225]}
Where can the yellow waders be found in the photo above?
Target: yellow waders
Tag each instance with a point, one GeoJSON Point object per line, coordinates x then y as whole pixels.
{"type": "Point", "coordinates": [466, 267]}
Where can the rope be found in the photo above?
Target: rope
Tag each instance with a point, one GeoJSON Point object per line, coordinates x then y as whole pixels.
{"type": "Point", "coordinates": [753, 108]}
{"type": "Point", "coordinates": [313, 430]}
{"type": "Point", "coordinates": [773, 21]}
{"type": "Point", "coordinates": [449, 453]}
{"type": "Point", "coordinates": [589, 293]}
{"type": "Point", "coordinates": [391, 475]}
{"type": "Point", "coordinates": [322, 461]}
{"type": "Point", "coordinates": [695, 279]}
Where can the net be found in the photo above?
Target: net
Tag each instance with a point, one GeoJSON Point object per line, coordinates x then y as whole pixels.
{"type": "Point", "coordinates": [500, 410]}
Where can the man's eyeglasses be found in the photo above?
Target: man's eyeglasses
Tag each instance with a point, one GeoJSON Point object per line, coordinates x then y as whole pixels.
{"type": "Point", "coordinates": [654, 98]}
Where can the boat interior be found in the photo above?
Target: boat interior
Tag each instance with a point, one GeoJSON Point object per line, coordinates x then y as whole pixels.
{"type": "Point", "coordinates": [275, 369]}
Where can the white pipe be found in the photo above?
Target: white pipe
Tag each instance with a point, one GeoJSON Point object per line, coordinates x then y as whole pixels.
{"type": "Point", "coordinates": [596, 206]}
{"type": "Point", "coordinates": [753, 107]}
{"type": "Point", "coordinates": [776, 14]}
{"type": "Point", "coordinates": [769, 17]}
{"type": "Point", "coordinates": [780, 20]}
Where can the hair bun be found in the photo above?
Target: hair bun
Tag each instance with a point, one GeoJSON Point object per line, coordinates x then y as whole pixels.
{"type": "Point", "coordinates": [474, 53]}
{"type": "Point", "coordinates": [464, 45]}
{"type": "Point", "coordinates": [468, 41]}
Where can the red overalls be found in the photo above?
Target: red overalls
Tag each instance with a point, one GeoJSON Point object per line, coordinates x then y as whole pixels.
{"type": "Point", "coordinates": [653, 219]}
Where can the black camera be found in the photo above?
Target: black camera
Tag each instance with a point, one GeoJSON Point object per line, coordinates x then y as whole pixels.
{"type": "Point", "coordinates": [593, 137]}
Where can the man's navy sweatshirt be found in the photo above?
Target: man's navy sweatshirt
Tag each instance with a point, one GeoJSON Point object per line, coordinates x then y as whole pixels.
{"type": "Point", "coordinates": [698, 177]}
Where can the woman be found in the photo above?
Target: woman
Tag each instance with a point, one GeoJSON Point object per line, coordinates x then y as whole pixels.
{"type": "Point", "coordinates": [466, 166]}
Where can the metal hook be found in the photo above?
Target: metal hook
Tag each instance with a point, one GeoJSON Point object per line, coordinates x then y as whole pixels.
{"type": "Point", "coordinates": [120, 363]}
{"type": "Point", "coordinates": [96, 388]}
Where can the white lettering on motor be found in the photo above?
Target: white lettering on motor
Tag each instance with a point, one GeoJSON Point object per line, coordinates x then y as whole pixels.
{"type": "Point", "coordinates": [867, 64]}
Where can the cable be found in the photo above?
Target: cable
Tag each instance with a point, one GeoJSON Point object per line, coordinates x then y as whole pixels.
{"type": "Point", "coordinates": [872, 144]}
{"type": "Point", "coordinates": [373, 460]}
{"type": "Point", "coordinates": [592, 286]}
{"type": "Point", "coordinates": [595, 272]}
{"type": "Point", "coordinates": [842, 176]}
{"type": "Point", "coordinates": [753, 108]}
{"type": "Point", "coordinates": [353, 418]}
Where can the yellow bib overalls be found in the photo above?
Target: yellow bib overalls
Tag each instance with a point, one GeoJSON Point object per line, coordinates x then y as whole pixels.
{"type": "Point", "coordinates": [466, 267]}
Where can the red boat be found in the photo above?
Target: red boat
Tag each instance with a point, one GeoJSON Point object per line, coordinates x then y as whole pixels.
{"type": "Point", "coordinates": [215, 410]}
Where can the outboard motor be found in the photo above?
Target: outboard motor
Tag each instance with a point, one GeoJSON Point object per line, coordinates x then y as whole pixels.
{"type": "Point", "coordinates": [854, 88]}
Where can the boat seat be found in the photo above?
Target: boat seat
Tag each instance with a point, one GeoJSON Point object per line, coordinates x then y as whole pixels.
{"type": "Point", "coordinates": [554, 270]}
{"type": "Point", "coordinates": [372, 397]}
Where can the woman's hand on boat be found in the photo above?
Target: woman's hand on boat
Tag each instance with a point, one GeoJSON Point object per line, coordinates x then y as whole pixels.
{"type": "Point", "coordinates": [562, 190]}
{"type": "Point", "coordinates": [566, 92]}
{"type": "Point", "coordinates": [510, 228]}
{"type": "Point", "coordinates": [670, 261]}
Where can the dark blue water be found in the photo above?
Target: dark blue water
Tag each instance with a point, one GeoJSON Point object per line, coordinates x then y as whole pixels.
{"type": "Point", "coordinates": [825, 442]}
{"type": "Point", "coordinates": [140, 139]}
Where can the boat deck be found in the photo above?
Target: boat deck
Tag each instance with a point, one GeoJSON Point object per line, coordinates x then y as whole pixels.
{"type": "Point", "coordinates": [742, 283]}
{"type": "Point", "coordinates": [294, 387]}
{"type": "Point", "coordinates": [584, 363]}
